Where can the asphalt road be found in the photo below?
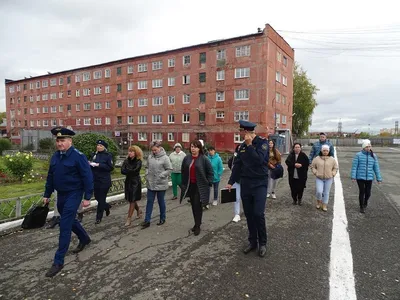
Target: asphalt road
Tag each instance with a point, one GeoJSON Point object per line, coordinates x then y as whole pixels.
{"type": "Point", "coordinates": [167, 262]}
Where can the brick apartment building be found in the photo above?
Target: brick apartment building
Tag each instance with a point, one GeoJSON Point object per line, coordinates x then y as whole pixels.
{"type": "Point", "coordinates": [198, 91]}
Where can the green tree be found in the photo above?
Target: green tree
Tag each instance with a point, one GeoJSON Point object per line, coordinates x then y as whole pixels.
{"type": "Point", "coordinates": [304, 101]}
{"type": "Point", "coordinates": [3, 115]}
{"type": "Point", "coordinates": [5, 144]}
{"type": "Point", "coordinates": [86, 143]}
{"type": "Point", "coordinates": [47, 144]}
{"type": "Point", "coordinates": [364, 135]}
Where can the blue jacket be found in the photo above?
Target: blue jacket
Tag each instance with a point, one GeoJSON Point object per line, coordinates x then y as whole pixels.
{"type": "Point", "coordinates": [218, 168]}
{"type": "Point", "coordinates": [69, 172]}
{"type": "Point", "coordinates": [365, 167]}
{"type": "Point", "coordinates": [316, 149]}
{"type": "Point", "coordinates": [102, 173]}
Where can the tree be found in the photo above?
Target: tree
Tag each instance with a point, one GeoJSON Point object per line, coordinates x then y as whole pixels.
{"type": "Point", "coordinates": [3, 115]}
{"type": "Point", "coordinates": [364, 135]}
{"type": "Point", "coordinates": [47, 144]}
{"type": "Point", "coordinates": [86, 143]}
{"type": "Point", "coordinates": [304, 101]}
{"type": "Point", "coordinates": [5, 144]}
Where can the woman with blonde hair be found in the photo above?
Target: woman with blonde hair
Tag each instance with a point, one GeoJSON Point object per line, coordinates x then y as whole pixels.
{"type": "Point", "coordinates": [133, 183]}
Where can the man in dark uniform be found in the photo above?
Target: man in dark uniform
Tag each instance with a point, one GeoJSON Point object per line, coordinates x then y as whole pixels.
{"type": "Point", "coordinates": [70, 175]}
{"type": "Point", "coordinates": [251, 170]}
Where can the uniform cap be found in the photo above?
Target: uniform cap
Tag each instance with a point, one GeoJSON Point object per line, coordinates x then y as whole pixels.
{"type": "Point", "coordinates": [246, 125]}
{"type": "Point", "coordinates": [102, 142]}
{"type": "Point", "coordinates": [62, 132]}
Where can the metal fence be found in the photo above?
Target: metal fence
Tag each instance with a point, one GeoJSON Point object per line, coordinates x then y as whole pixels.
{"type": "Point", "coordinates": [352, 142]}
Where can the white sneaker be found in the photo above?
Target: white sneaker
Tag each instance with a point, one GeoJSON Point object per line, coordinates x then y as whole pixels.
{"type": "Point", "coordinates": [236, 218]}
{"type": "Point", "coordinates": [215, 203]}
{"type": "Point", "coordinates": [268, 195]}
{"type": "Point", "coordinates": [273, 196]}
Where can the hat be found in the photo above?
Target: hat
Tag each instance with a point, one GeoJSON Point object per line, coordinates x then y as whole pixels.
{"type": "Point", "coordinates": [366, 143]}
{"type": "Point", "coordinates": [246, 125]}
{"type": "Point", "coordinates": [102, 142]}
{"type": "Point", "coordinates": [62, 132]}
{"type": "Point", "coordinates": [177, 145]}
{"type": "Point", "coordinates": [322, 133]}
{"type": "Point", "coordinates": [325, 147]}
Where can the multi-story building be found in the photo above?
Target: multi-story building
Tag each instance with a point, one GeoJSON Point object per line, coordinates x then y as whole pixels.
{"type": "Point", "coordinates": [198, 91]}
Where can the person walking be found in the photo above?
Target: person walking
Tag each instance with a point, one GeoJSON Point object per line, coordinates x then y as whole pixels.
{"type": "Point", "coordinates": [251, 170]}
{"type": "Point", "coordinates": [158, 169]}
{"type": "Point", "coordinates": [365, 168]}
{"type": "Point", "coordinates": [324, 167]}
{"type": "Point", "coordinates": [273, 162]}
{"type": "Point", "coordinates": [176, 159]}
{"type": "Point", "coordinates": [133, 184]}
{"type": "Point", "coordinates": [236, 186]}
{"type": "Point", "coordinates": [297, 165]}
{"type": "Point", "coordinates": [218, 169]}
{"type": "Point", "coordinates": [316, 148]}
{"type": "Point", "coordinates": [197, 178]}
{"type": "Point", "coordinates": [70, 175]}
{"type": "Point", "coordinates": [55, 220]}
{"type": "Point", "coordinates": [102, 166]}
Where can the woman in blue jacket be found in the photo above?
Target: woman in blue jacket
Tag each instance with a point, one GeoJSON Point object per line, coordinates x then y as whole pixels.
{"type": "Point", "coordinates": [218, 169]}
{"type": "Point", "coordinates": [365, 168]}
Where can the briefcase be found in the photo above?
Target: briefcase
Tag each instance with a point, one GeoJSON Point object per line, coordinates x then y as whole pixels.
{"type": "Point", "coordinates": [35, 217]}
{"type": "Point", "coordinates": [228, 196]}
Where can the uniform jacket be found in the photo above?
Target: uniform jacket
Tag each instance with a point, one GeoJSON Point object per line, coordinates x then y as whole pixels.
{"type": "Point", "coordinates": [301, 159]}
{"type": "Point", "coordinates": [316, 149]}
{"type": "Point", "coordinates": [158, 169]}
{"type": "Point", "coordinates": [133, 184]}
{"type": "Point", "coordinates": [324, 167]}
{"type": "Point", "coordinates": [365, 167]}
{"type": "Point", "coordinates": [69, 172]}
{"type": "Point", "coordinates": [102, 173]}
{"type": "Point", "coordinates": [204, 177]}
{"type": "Point", "coordinates": [251, 163]}
{"type": "Point", "coordinates": [176, 161]}
{"type": "Point", "coordinates": [218, 168]}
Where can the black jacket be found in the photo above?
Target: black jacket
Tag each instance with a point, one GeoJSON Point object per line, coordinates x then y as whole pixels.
{"type": "Point", "coordinates": [301, 159]}
{"type": "Point", "coordinates": [133, 183]}
{"type": "Point", "coordinates": [102, 173]}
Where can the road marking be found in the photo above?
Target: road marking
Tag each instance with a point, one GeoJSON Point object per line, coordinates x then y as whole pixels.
{"type": "Point", "coordinates": [341, 279]}
{"type": "Point", "coordinates": [396, 149]}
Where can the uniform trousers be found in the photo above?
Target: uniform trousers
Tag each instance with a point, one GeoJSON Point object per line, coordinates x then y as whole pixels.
{"type": "Point", "coordinates": [100, 194]}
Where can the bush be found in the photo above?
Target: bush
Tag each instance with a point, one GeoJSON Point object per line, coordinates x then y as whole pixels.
{"type": "Point", "coordinates": [29, 147]}
{"type": "Point", "coordinates": [19, 164]}
{"type": "Point", "coordinates": [5, 144]}
{"type": "Point", "coordinates": [167, 147]}
{"type": "Point", "coordinates": [86, 143]}
{"type": "Point", "coordinates": [47, 144]}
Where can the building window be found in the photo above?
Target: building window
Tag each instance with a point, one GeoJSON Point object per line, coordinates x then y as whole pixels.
{"type": "Point", "coordinates": [171, 62]}
{"type": "Point", "coordinates": [119, 120]}
{"type": "Point", "coordinates": [171, 81]}
{"type": "Point", "coordinates": [38, 123]}
{"type": "Point", "coordinates": [45, 123]}
{"type": "Point", "coordinates": [97, 105]}
{"type": "Point", "coordinates": [241, 115]}
{"type": "Point", "coordinates": [186, 60]}
{"type": "Point", "coordinates": [86, 121]}
{"type": "Point", "coordinates": [171, 100]}
{"type": "Point", "coordinates": [157, 136]}
{"type": "Point", "coordinates": [107, 73]}
{"type": "Point", "coordinates": [61, 108]}
{"type": "Point", "coordinates": [186, 99]}
{"type": "Point", "coordinates": [69, 107]}
{"type": "Point", "coordinates": [142, 67]}
{"type": "Point", "coordinates": [68, 81]}
{"type": "Point", "coordinates": [53, 109]}
{"type": "Point", "coordinates": [77, 93]}
{"type": "Point", "coordinates": [11, 88]}
{"type": "Point", "coordinates": [119, 103]}
{"type": "Point", "coordinates": [60, 95]}
{"type": "Point", "coordinates": [86, 106]}
{"type": "Point", "coordinates": [185, 137]}
{"type": "Point", "coordinates": [186, 79]}
{"type": "Point", "coordinates": [77, 107]}
{"type": "Point", "coordinates": [157, 101]}
{"type": "Point", "coordinates": [278, 76]}
{"type": "Point", "coordinates": [31, 85]}
{"type": "Point", "coordinates": [69, 93]}
{"type": "Point", "coordinates": [37, 98]}
{"type": "Point", "coordinates": [108, 121]}
{"type": "Point", "coordinates": [86, 76]}
{"type": "Point", "coordinates": [243, 51]}
{"type": "Point", "coordinates": [45, 97]}
{"type": "Point", "coordinates": [220, 114]}
{"type": "Point", "coordinates": [278, 56]}
{"type": "Point", "coordinates": [32, 123]}
{"type": "Point", "coordinates": [285, 61]}
{"type": "Point", "coordinates": [142, 136]}
{"type": "Point", "coordinates": [186, 118]}
{"type": "Point", "coordinates": [25, 86]}
{"type": "Point", "coordinates": [283, 100]}
{"type": "Point", "coordinates": [242, 94]}
{"type": "Point", "coordinates": [78, 122]}
{"type": "Point", "coordinates": [77, 78]}
{"type": "Point", "coordinates": [130, 119]}
{"type": "Point", "coordinates": [86, 92]}
{"type": "Point", "coordinates": [142, 102]}
{"type": "Point", "coordinates": [45, 83]}
{"type": "Point", "coordinates": [237, 139]}
{"type": "Point", "coordinates": [283, 119]}
{"type": "Point", "coordinates": [171, 118]}
{"type": "Point", "coordinates": [202, 97]}
{"type": "Point", "coordinates": [278, 97]}
{"type": "Point", "coordinates": [37, 86]}
{"type": "Point", "coordinates": [97, 74]}
{"type": "Point", "coordinates": [202, 117]}
{"type": "Point", "coordinates": [157, 83]}
{"type": "Point", "coordinates": [220, 96]}
{"type": "Point", "coordinates": [284, 80]}
{"type": "Point", "coordinates": [119, 87]}
{"type": "Point", "coordinates": [130, 86]}
{"type": "Point", "coordinates": [157, 119]}
{"type": "Point", "coordinates": [61, 81]}
{"type": "Point", "coordinates": [242, 72]}
{"type": "Point", "coordinates": [142, 85]}
{"type": "Point", "coordinates": [221, 75]}
{"type": "Point", "coordinates": [97, 90]}
{"type": "Point", "coordinates": [60, 122]}
{"type": "Point", "coordinates": [202, 77]}
{"type": "Point", "coordinates": [157, 65]}
{"type": "Point", "coordinates": [97, 121]}
{"type": "Point", "coordinates": [119, 71]}
{"type": "Point", "coordinates": [53, 122]}
{"type": "Point", "coordinates": [30, 98]}
{"type": "Point", "coordinates": [130, 102]}
{"type": "Point", "coordinates": [108, 105]}
{"type": "Point", "coordinates": [130, 70]}
{"type": "Point", "coordinates": [107, 89]}
{"type": "Point", "coordinates": [31, 111]}
{"type": "Point", "coordinates": [53, 82]}
{"type": "Point", "coordinates": [53, 96]}
{"type": "Point", "coordinates": [203, 57]}
{"type": "Point", "coordinates": [221, 54]}
{"type": "Point", "coordinates": [171, 137]}
{"type": "Point", "coordinates": [142, 120]}
{"type": "Point", "coordinates": [277, 118]}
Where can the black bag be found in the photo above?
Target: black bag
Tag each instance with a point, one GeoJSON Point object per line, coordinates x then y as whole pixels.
{"type": "Point", "coordinates": [35, 217]}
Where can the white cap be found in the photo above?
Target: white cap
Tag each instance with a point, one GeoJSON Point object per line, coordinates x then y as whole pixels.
{"type": "Point", "coordinates": [366, 143]}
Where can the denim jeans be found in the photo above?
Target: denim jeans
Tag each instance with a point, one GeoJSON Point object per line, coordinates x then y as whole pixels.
{"type": "Point", "coordinates": [216, 190]}
{"type": "Point", "coordinates": [323, 187]}
{"type": "Point", "coordinates": [151, 195]}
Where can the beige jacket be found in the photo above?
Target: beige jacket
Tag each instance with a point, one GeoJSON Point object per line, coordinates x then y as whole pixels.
{"type": "Point", "coordinates": [324, 167]}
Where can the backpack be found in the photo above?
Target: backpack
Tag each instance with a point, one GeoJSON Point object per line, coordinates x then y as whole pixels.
{"type": "Point", "coordinates": [35, 217]}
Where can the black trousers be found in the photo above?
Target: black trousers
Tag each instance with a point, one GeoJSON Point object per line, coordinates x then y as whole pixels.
{"type": "Point", "coordinates": [296, 188]}
{"type": "Point", "coordinates": [197, 208]}
{"type": "Point", "coordinates": [364, 187]}
{"type": "Point", "coordinates": [101, 194]}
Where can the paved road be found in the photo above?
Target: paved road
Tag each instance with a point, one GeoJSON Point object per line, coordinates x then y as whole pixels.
{"type": "Point", "coordinates": [169, 263]}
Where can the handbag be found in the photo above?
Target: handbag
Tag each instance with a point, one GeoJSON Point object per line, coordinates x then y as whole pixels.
{"type": "Point", "coordinates": [35, 217]}
{"type": "Point", "coordinates": [277, 172]}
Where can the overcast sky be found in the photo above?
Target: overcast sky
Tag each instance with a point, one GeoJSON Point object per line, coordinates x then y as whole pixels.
{"type": "Point", "coordinates": [350, 49]}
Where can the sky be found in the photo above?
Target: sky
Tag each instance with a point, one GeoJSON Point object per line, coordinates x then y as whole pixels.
{"type": "Point", "coordinates": [350, 49]}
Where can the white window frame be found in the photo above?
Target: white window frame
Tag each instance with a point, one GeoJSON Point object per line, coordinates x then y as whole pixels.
{"type": "Point", "coordinates": [278, 76]}
{"type": "Point", "coordinates": [53, 122]}
{"type": "Point", "coordinates": [220, 115]}
{"type": "Point", "coordinates": [278, 118]}
{"type": "Point", "coordinates": [61, 81]}
{"type": "Point", "coordinates": [78, 122]}
{"type": "Point", "coordinates": [45, 84]}
{"type": "Point", "coordinates": [278, 97]}
{"type": "Point", "coordinates": [278, 56]}
{"type": "Point", "coordinates": [171, 62]}
{"type": "Point", "coordinates": [186, 118]}
{"type": "Point", "coordinates": [61, 108]}
{"type": "Point", "coordinates": [108, 121]}
{"type": "Point", "coordinates": [77, 78]}
{"type": "Point", "coordinates": [37, 85]}
{"type": "Point", "coordinates": [242, 51]}
{"type": "Point", "coordinates": [220, 96]}
{"type": "Point", "coordinates": [185, 137]}
{"type": "Point", "coordinates": [45, 123]}
{"type": "Point", "coordinates": [130, 86]}
{"type": "Point", "coordinates": [53, 109]}
{"type": "Point", "coordinates": [171, 137]}
{"type": "Point", "coordinates": [97, 121]}
{"type": "Point", "coordinates": [130, 69]}
{"type": "Point", "coordinates": [38, 123]}
{"type": "Point", "coordinates": [86, 92]}
{"type": "Point", "coordinates": [186, 60]}
{"type": "Point", "coordinates": [53, 96]}
{"type": "Point", "coordinates": [97, 106]}
{"type": "Point", "coordinates": [157, 101]}
{"type": "Point", "coordinates": [130, 102]}
{"type": "Point", "coordinates": [171, 118]}
{"type": "Point", "coordinates": [220, 75]}
{"type": "Point", "coordinates": [156, 119]}
{"type": "Point", "coordinates": [171, 100]}
{"type": "Point", "coordinates": [97, 74]}
{"type": "Point", "coordinates": [45, 97]}
{"type": "Point", "coordinates": [285, 61]}
{"type": "Point", "coordinates": [86, 121]}
{"type": "Point", "coordinates": [107, 89]}
{"type": "Point", "coordinates": [171, 81]}
{"type": "Point", "coordinates": [157, 83]}
{"type": "Point", "coordinates": [143, 102]}
{"type": "Point", "coordinates": [237, 139]}
{"type": "Point", "coordinates": [53, 82]}
{"type": "Point", "coordinates": [186, 98]}
{"type": "Point", "coordinates": [242, 73]}
{"type": "Point", "coordinates": [32, 85]}
{"type": "Point", "coordinates": [221, 54]}
{"type": "Point", "coordinates": [86, 106]}
{"type": "Point", "coordinates": [142, 136]}
{"type": "Point", "coordinates": [61, 95]}
{"type": "Point", "coordinates": [31, 111]}
{"type": "Point", "coordinates": [185, 79]}
{"type": "Point", "coordinates": [107, 73]}
{"type": "Point", "coordinates": [142, 68]}
{"type": "Point", "coordinates": [284, 80]}
{"type": "Point", "coordinates": [78, 107]}
{"type": "Point", "coordinates": [157, 65]}
{"type": "Point", "coordinates": [37, 98]}
{"type": "Point", "coordinates": [142, 85]}
{"type": "Point", "coordinates": [77, 93]}
{"type": "Point", "coordinates": [31, 123]}
{"type": "Point", "coordinates": [142, 119]}
{"type": "Point", "coordinates": [243, 94]}
{"type": "Point", "coordinates": [86, 76]}
{"type": "Point", "coordinates": [97, 90]}
{"type": "Point", "coordinates": [284, 99]}
{"type": "Point", "coordinates": [157, 136]}
{"type": "Point", "coordinates": [284, 120]}
{"type": "Point", "coordinates": [130, 120]}
{"type": "Point", "coordinates": [31, 98]}
{"type": "Point", "coordinates": [241, 115]}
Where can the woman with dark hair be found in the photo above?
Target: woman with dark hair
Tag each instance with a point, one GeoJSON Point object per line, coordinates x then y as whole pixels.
{"type": "Point", "coordinates": [197, 178]}
{"type": "Point", "coordinates": [133, 183]}
{"type": "Point", "coordinates": [274, 160]}
{"type": "Point", "coordinates": [297, 165]}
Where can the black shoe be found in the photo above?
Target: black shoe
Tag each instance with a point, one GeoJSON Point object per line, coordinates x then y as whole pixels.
{"type": "Point", "coordinates": [54, 270]}
{"type": "Point", "coordinates": [294, 202]}
{"type": "Point", "coordinates": [80, 217]}
{"type": "Point", "coordinates": [193, 228]}
{"type": "Point", "coordinates": [249, 248]}
{"type": "Point", "coordinates": [108, 211]}
{"type": "Point", "coordinates": [299, 202]}
{"type": "Point", "coordinates": [362, 210]}
{"type": "Point", "coordinates": [196, 230]}
{"type": "Point", "coordinates": [80, 247]}
{"type": "Point", "coordinates": [262, 251]}
{"type": "Point", "coordinates": [365, 204]}
{"type": "Point", "coordinates": [145, 225]}
{"type": "Point", "coordinates": [53, 222]}
{"type": "Point", "coordinates": [161, 222]}
{"type": "Point", "coordinates": [98, 221]}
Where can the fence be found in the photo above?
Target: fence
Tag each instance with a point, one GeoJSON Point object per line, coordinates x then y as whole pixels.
{"type": "Point", "coordinates": [351, 142]}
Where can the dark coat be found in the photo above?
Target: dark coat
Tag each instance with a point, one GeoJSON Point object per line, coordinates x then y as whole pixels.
{"type": "Point", "coordinates": [204, 177]}
{"type": "Point", "coordinates": [133, 183]}
{"type": "Point", "coordinates": [301, 159]}
{"type": "Point", "coordinates": [102, 173]}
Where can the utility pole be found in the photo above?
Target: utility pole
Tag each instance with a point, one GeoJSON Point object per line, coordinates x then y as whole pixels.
{"type": "Point", "coordinates": [396, 127]}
